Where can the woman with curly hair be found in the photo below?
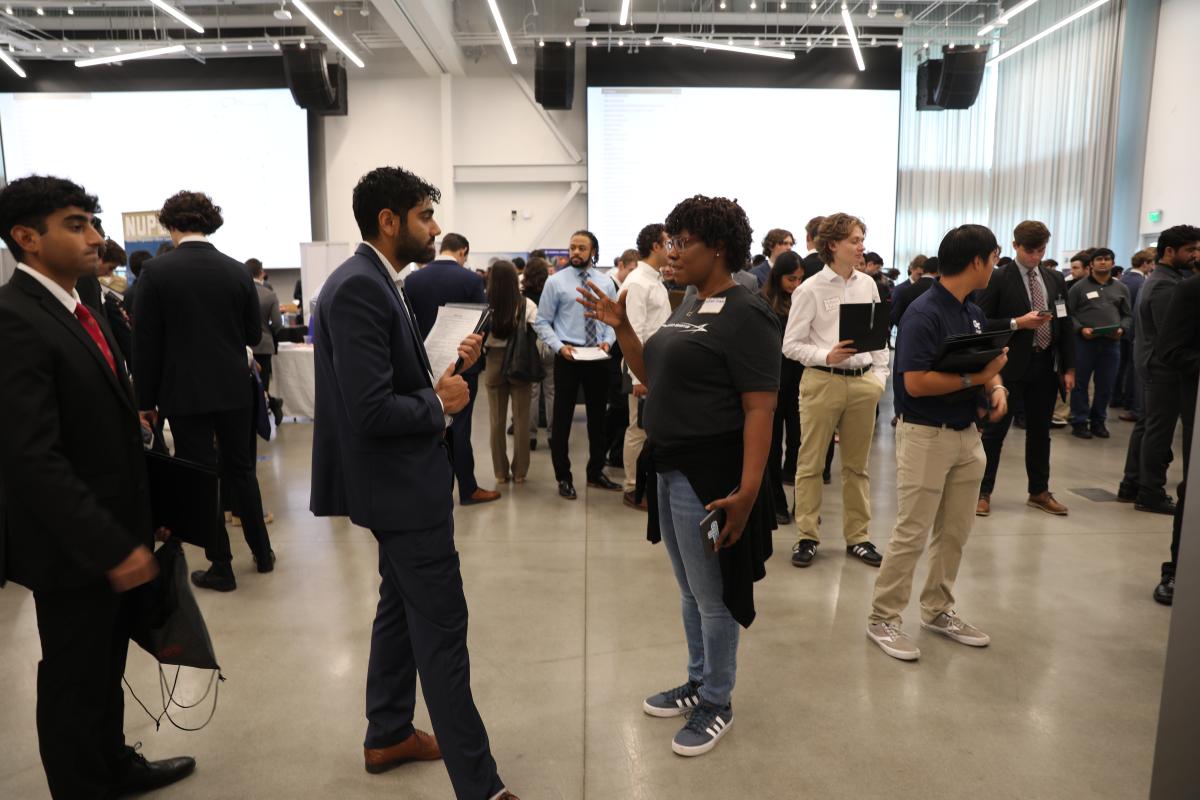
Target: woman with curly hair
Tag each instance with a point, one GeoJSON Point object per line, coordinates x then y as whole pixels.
{"type": "Point", "coordinates": [712, 374]}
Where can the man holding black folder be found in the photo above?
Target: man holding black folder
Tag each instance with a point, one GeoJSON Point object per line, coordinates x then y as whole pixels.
{"type": "Point", "coordinates": [939, 453]}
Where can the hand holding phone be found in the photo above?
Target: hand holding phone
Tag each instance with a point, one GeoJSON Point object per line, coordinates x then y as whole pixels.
{"type": "Point", "coordinates": [485, 320]}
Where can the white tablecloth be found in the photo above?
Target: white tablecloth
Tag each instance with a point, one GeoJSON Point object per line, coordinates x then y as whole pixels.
{"type": "Point", "coordinates": [293, 379]}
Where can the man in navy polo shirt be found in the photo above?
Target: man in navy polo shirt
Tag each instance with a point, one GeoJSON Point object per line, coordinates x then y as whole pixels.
{"type": "Point", "coordinates": [939, 453]}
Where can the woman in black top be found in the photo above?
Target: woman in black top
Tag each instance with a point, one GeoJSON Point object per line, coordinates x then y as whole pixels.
{"type": "Point", "coordinates": [786, 274]}
{"type": "Point", "coordinates": [712, 375]}
{"type": "Point", "coordinates": [533, 280]}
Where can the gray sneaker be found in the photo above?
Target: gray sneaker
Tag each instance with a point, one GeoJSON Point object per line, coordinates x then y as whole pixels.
{"type": "Point", "coordinates": [705, 727]}
{"type": "Point", "coordinates": [673, 702]}
{"type": "Point", "coordinates": [893, 641]}
{"type": "Point", "coordinates": [949, 625]}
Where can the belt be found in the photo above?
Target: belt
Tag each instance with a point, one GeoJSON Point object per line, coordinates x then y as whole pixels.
{"type": "Point", "coordinates": [929, 424]}
{"type": "Point", "coordinates": [849, 373]}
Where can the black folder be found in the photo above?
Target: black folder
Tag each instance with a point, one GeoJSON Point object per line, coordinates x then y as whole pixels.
{"type": "Point", "coordinates": [185, 498]}
{"type": "Point", "coordinates": [868, 324]}
{"type": "Point", "coordinates": [970, 352]}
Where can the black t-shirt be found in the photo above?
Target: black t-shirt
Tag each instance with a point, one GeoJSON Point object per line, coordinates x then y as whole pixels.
{"type": "Point", "coordinates": [699, 364]}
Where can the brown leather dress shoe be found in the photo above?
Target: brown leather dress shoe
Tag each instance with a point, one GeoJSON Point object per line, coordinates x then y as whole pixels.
{"type": "Point", "coordinates": [481, 496]}
{"type": "Point", "coordinates": [421, 746]}
{"type": "Point", "coordinates": [984, 506]}
{"type": "Point", "coordinates": [629, 498]}
{"type": "Point", "coordinates": [1046, 502]}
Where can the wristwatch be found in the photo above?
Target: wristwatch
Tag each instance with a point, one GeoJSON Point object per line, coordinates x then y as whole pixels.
{"type": "Point", "coordinates": [1012, 324]}
{"type": "Point", "coordinates": [966, 380]}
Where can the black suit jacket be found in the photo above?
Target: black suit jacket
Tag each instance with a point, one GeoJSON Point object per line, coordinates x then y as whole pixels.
{"type": "Point", "coordinates": [904, 298]}
{"type": "Point", "coordinates": [197, 311]}
{"type": "Point", "coordinates": [1006, 298]}
{"type": "Point", "coordinates": [73, 495]}
{"type": "Point", "coordinates": [379, 453]}
{"type": "Point", "coordinates": [438, 283]}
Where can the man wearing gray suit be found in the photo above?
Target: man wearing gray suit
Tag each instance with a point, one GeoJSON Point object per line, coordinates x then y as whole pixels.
{"type": "Point", "coordinates": [272, 322]}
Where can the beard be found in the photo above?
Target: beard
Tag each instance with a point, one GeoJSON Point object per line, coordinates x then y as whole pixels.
{"type": "Point", "coordinates": [412, 250]}
{"type": "Point", "coordinates": [580, 263]}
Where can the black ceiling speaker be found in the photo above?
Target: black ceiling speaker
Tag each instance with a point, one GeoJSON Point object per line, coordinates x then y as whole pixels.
{"type": "Point", "coordinates": [554, 76]}
{"type": "Point", "coordinates": [314, 86]}
{"type": "Point", "coordinates": [928, 74]}
{"type": "Point", "coordinates": [962, 74]}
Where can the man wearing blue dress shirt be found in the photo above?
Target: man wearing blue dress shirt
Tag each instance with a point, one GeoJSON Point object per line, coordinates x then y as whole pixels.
{"type": "Point", "coordinates": [562, 326]}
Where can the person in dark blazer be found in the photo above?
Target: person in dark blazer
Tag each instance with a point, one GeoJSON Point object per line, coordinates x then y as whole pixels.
{"type": "Point", "coordinates": [272, 323]}
{"type": "Point", "coordinates": [380, 458]}
{"type": "Point", "coordinates": [1129, 384]}
{"type": "Point", "coordinates": [915, 288]}
{"type": "Point", "coordinates": [447, 280]}
{"type": "Point", "coordinates": [197, 312]}
{"type": "Point", "coordinates": [75, 524]}
{"type": "Point", "coordinates": [1031, 301]}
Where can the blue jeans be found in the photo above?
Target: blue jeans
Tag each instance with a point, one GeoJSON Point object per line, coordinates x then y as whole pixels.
{"type": "Point", "coordinates": [1098, 358]}
{"type": "Point", "coordinates": [712, 634]}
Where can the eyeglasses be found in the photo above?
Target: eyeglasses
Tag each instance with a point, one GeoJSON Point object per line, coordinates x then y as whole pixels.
{"type": "Point", "coordinates": [678, 243]}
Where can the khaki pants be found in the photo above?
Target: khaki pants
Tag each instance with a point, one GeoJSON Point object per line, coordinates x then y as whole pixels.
{"type": "Point", "coordinates": [937, 483]}
{"type": "Point", "coordinates": [500, 389]}
{"type": "Point", "coordinates": [844, 404]}
{"type": "Point", "coordinates": [635, 437]}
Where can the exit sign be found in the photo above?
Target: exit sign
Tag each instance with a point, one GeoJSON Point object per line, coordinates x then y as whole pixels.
{"type": "Point", "coordinates": [1154, 216]}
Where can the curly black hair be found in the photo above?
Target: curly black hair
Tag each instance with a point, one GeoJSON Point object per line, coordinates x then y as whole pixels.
{"type": "Point", "coordinates": [394, 188]}
{"type": "Point", "coordinates": [29, 201]}
{"type": "Point", "coordinates": [716, 221]}
{"type": "Point", "coordinates": [648, 237]}
{"type": "Point", "coordinates": [191, 212]}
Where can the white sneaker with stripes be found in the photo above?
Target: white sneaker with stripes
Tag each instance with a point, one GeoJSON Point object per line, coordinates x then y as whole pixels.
{"type": "Point", "coordinates": [705, 727]}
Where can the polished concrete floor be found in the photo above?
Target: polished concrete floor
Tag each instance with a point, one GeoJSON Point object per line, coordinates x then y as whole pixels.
{"type": "Point", "coordinates": [575, 618]}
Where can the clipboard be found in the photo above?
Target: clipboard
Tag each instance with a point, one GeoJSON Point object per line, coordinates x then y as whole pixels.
{"type": "Point", "coordinates": [1105, 331]}
{"type": "Point", "coordinates": [970, 352]}
{"type": "Point", "coordinates": [185, 498]}
{"type": "Point", "coordinates": [868, 324]}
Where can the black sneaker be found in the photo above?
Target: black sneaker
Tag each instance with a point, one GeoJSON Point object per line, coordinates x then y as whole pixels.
{"type": "Point", "coordinates": [1165, 591]}
{"type": "Point", "coordinates": [865, 553]}
{"type": "Point", "coordinates": [1158, 505]}
{"type": "Point", "coordinates": [673, 702]}
{"type": "Point", "coordinates": [1100, 431]}
{"type": "Point", "coordinates": [803, 553]}
{"type": "Point", "coordinates": [1081, 432]}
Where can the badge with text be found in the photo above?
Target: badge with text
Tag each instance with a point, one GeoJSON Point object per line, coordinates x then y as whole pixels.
{"type": "Point", "coordinates": [713, 305]}
{"type": "Point", "coordinates": [1060, 309]}
{"type": "Point", "coordinates": [832, 303]}
{"type": "Point", "coordinates": [1093, 295]}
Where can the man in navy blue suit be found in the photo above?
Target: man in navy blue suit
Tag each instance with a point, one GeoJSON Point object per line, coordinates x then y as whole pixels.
{"type": "Point", "coordinates": [447, 280]}
{"type": "Point", "coordinates": [380, 457]}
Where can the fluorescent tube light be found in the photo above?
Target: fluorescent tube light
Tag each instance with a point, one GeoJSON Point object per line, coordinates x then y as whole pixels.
{"type": "Point", "coordinates": [508, 48]}
{"type": "Point", "coordinates": [13, 65]}
{"type": "Point", "coordinates": [1062, 23]}
{"type": "Point", "coordinates": [1005, 17]}
{"type": "Point", "coordinates": [157, 51]}
{"type": "Point", "coordinates": [624, 12]}
{"type": "Point", "coordinates": [329, 34]}
{"type": "Point", "coordinates": [179, 15]}
{"type": "Point", "coordinates": [729, 48]}
{"type": "Point", "coordinates": [849, 23]}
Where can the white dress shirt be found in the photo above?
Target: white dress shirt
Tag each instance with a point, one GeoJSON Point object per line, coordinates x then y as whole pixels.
{"type": "Point", "coordinates": [812, 328]}
{"type": "Point", "coordinates": [647, 303]}
{"type": "Point", "coordinates": [69, 301]}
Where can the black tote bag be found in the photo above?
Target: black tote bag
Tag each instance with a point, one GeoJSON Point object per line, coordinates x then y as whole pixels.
{"type": "Point", "coordinates": [522, 361]}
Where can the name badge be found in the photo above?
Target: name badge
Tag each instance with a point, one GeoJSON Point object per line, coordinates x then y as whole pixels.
{"type": "Point", "coordinates": [1060, 309]}
{"type": "Point", "coordinates": [713, 305]}
{"type": "Point", "coordinates": [1093, 295]}
{"type": "Point", "coordinates": [831, 303]}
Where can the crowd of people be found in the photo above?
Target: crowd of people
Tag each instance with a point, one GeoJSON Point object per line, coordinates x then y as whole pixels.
{"type": "Point", "coordinates": [717, 382]}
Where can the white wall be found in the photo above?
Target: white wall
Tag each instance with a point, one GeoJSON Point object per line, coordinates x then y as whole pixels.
{"type": "Point", "coordinates": [1172, 158]}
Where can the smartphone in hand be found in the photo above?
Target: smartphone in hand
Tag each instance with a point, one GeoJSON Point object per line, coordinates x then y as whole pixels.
{"type": "Point", "coordinates": [711, 525]}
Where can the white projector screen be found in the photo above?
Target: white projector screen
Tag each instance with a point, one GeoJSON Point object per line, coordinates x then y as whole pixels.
{"type": "Point", "coordinates": [786, 156]}
{"type": "Point", "coordinates": [248, 149]}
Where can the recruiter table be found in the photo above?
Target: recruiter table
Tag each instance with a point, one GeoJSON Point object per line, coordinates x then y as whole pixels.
{"type": "Point", "coordinates": [293, 379]}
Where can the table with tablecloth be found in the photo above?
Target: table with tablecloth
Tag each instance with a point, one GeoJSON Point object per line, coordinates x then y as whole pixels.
{"type": "Point", "coordinates": [293, 379]}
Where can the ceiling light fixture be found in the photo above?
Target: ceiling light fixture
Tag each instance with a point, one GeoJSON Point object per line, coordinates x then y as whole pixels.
{"type": "Point", "coordinates": [303, 45]}
{"type": "Point", "coordinates": [249, 45]}
{"type": "Point", "coordinates": [139, 54]}
{"type": "Point", "coordinates": [620, 42]}
{"type": "Point", "coordinates": [594, 41]}
{"type": "Point", "coordinates": [365, 11]}
{"type": "Point", "coordinates": [179, 15]}
{"type": "Point", "coordinates": [950, 46]}
{"type": "Point", "coordinates": [813, 5]}
{"type": "Point", "coordinates": [624, 12]}
{"type": "Point", "coordinates": [541, 42]}
{"type": "Point", "coordinates": [275, 46]}
{"type": "Point", "coordinates": [8, 10]}
{"type": "Point", "coordinates": [784, 54]}
{"type": "Point", "coordinates": [722, 5]}
{"type": "Point", "coordinates": [13, 65]}
{"type": "Point", "coordinates": [568, 42]}
{"type": "Point", "coordinates": [91, 49]}
{"type": "Point", "coordinates": [783, 5]}
{"type": "Point", "coordinates": [70, 11]}
{"type": "Point", "coordinates": [1005, 17]}
{"type": "Point", "coordinates": [41, 12]}
{"type": "Point", "coordinates": [338, 43]}
{"type": "Point", "coordinates": [224, 48]}
{"type": "Point", "coordinates": [199, 49]}
{"type": "Point", "coordinates": [753, 4]}
{"type": "Point", "coordinates": [116, 49]}
{"type": "Point", "coordinates": [756, 41]}
{"type": "Point", "coordinates": [66, 49]}
{"type": "Point", "coordinates": [337, 11]}
{"type": "Point", "coordinates": [899, 43]}
{"type": "Point", "coordinates": [508, 48]}
{"type": "Point", "coordinates": [1062, 23]}
{"type": "Point", "coordinates": [282, 14]}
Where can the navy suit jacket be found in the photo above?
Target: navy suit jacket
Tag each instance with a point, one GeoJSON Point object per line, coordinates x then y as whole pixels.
{"type": "Point", "coordinates": [436, 284]}
{"type": "Point", "coordinates": [379, 453]}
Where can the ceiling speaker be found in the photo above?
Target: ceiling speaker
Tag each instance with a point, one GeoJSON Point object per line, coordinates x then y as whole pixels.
{"type": "Point", "coordinates": [960, 79]}
{"type": "Point", "coordinates": [314, 86]}
{"type": "Point", "coordinates": [554, 76]}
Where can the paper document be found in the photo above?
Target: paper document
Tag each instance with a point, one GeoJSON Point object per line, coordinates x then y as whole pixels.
{"type": "Point", "coordinates": [589, 354]}
{"type": "Point", "coordinates": [455, 322]}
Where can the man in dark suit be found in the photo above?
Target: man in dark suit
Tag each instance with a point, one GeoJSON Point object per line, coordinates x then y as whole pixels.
{"type": "Point", "coordinates": [197, 312]}
{"type": "Point", "coordinates": [812, 262]}
{"type": "Point", "coordinates": [447, 280]}
{"type": "Point", "coordinates": [75, 522]}
{"type": "Point", "coordinates": [915, 288]}
{"type": "Point", "coordinates": [1129, 384]}
{"type": "Point", "coordinates": [272, 323]}
{"type": "Point", "coordinates": [1032, 301]}
{"type": "Point", "coordinates": [380, 457]}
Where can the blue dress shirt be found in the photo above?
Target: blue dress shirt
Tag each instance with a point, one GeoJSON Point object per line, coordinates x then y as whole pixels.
{"type": "Point", "coordinates": [560, 319]}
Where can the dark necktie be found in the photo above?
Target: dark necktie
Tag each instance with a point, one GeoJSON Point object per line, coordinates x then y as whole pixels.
{"type": "Point", "coordinates": [1041, 335]}
{"type": "Point", "coordinates": [590, 334]}
{"type": "Point", "coordinates": [93, 328]}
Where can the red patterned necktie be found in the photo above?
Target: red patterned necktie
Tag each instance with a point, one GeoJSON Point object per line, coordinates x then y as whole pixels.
{"type": "Point", "coordinates": [1041, 336]}
{"type": "Point", "coordinates": [93, 328]}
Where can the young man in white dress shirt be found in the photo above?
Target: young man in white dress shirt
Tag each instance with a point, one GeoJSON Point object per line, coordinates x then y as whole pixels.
{"type": "Point", "coordinates": [647, 305]}
{"type": "Point", "coordinates": [839, 390]}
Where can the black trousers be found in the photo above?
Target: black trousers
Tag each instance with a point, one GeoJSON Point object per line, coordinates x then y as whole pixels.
{"type": "Point", "coordinates": [569, 376]}
{"type": "Point", "coordinates": [1187, 414]}
{"type": "Point", "coordinates": [1034, 397]}
{"type": "Point", "coordinates": [224, 439]}
{"type": "Point", "coordinates": [421, 629]}
{"type": "Point", "coordinates": [785, 432]}
{"type": "Point", "coordinates": [264, 370]}
{"type": "Point", "coordinates": [462, 455]}
{"type": "Point", "coordinates": [80, 706]}
{"type": "Point", "coordinates": [1149, 453]}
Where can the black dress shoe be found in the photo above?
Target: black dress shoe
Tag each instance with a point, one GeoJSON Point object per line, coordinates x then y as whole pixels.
{"type": "Point", "coordinates": [275, 405]}
{"type": "Point", "coordinates": [1081, 432]}
{"type": "Point", "coordinates": [533, 444]}
{"type": "Point", "coordinates": [783, 518]}
{"type": "Point", "coordinates": [826, 478]}
{"type": "Point", "coordinates": [1127, 493]}
{"type": "Point", "coordinates": [266, 563]}
{"type": "Point", "coordinates": [601, 481]}
{"type": "Point", "coordinates": [803, 553]}
{"type": "Point", "coordinates": [146, 776]}
{"type": "Point", "coordinates": [1100, 431]}
{"type": "Point", "coordinates": [212, 578]}
{"type": "Point", "coordinates": [1165, 591]}
{"type": "Point", "coordinates": [567, 489]}
{"type": "Point", "coordinates": [1159, 505]}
